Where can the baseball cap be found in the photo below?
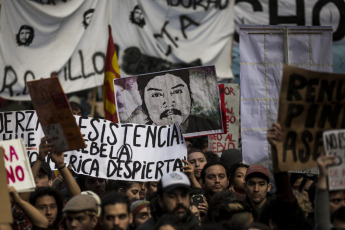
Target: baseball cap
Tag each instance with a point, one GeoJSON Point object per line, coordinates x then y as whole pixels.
{"type": "Point", "coordinates": [257, 169]}
{"type": "Point", "coordinates": [173, 180]}
{"type": "Point", "coordinates": [81, 202]}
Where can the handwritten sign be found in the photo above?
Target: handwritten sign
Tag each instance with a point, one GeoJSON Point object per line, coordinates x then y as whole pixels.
{"type": "Point", "coordinates": [310, 103]}
{"type": "Point", "coordinates": [55, 114]}
{"type": "Point", "coordinates": [18, 169]}
{"type": "Point", "coordinates": [115, 151]}
{"type": "Point", "coordinates": [219, 142]}
{"type": "Point", "coordinates": [334, 144]}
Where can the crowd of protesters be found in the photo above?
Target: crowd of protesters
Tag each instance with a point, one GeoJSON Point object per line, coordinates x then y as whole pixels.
{"type": "Point", "coordinates": [210, 192]}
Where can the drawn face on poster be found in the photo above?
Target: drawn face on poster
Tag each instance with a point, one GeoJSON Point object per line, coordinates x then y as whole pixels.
{"type": "Point", "coordinates": [166, 97]}
{"type": "Point", "coordinates": [137, 16]}
{"type": "Point", "coordinates": [25, 35]}
{"type": "Point", "coordinates": [87, 17]}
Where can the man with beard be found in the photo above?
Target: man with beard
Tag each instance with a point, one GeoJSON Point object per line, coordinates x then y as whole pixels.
{"type": "Point", "coordinates": [172, 198]}
{"type": "Point", "coordinates": [257, 186]}
{"type": "Point", "coordinates": [116, 213]}
{"type": "Point", "coordinates": [215, 178]}
{"type": "Point", "coordinates": [167, 99]}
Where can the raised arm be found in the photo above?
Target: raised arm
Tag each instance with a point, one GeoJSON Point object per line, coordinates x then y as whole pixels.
{"type": "Point", "coordinates": [36, 218]}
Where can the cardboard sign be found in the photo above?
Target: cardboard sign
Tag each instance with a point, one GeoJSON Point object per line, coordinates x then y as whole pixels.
{"type": "Point", "coordinates": [114, 151]}
{"type": "Point", "coordinates": [219, 142]}
{"type": "Point", "coordinates": [334, 144]}
{"type": "Point", "coordinates": [55, 114]}
{"type": "Point", "coordinates": [5, 207]}
{"type": "Point", "coordinates": [189, 97]}
{"type": "Point", "coordinates": [310, 103]}
{"type": "Point", "coordinates": [19, 174]}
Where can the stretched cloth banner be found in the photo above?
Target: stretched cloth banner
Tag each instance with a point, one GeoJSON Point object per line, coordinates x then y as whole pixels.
{"type": "Point", "coordinates": [334, 144]}
{"type": "Point", "coordinates": [39, 39]}
{"type": "Point", "coordinates": [18, 169]}
{"type": "Point", "coordinates": [296, 12]}
{"type": "Point", "coordinates": [67, 39]}
{"type": "Point", "coordinates": [229, 140]}
{"type": "Point", "coordinates": [188, 96]}
{"type": "Point", "coordinates": [264, 51]}
{"type": "Point", "coordinates": [310, 102]}
{"type": "Point", "coordinates": [114, 151]}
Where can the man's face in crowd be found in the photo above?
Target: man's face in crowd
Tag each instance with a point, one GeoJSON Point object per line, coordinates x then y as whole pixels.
{"type": "Point", "coordinates": [47, 206]}
{"type": "Point", "coordinates": [175, 202]}
{"type": "Point", "coordinates": [167, 101]}
{"type": "Point", "coordinates": [198, 160]}
{"type": "Point", "coordinates": [257, 189]}
{"type": "Point", "coordinates": [116, 216]}
{"type": "Point", "coordinates": [216, 179]}
{"type": "Point", "coordinates": [80, 221]}
{"type": "Point", "coordinates": [142, 216]}
{"type": "Point", "coordinates": [336, 200]}
{"type": "Point", "coordinates": [42, 180]}
{"type": "Point", "coordinates": [24, 35]}
{"type": "Point", "coordinates": [96, 185]}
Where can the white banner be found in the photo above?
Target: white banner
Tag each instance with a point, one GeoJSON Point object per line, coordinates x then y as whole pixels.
{"type": "Point", "coordinates": [220, 142]}
{"type": "Point", "coordinates": [68, 38]}
{"type": "Point", "coordinates": [161, 35]}
{"type": "Point", "coordinates": [334, 144]}
{"type": "Point", "coordinates": [114, 151]}
{"type": "Point", "coordinates": [18, 170]}
{"type": "Point", "coordinates": [263, 51]}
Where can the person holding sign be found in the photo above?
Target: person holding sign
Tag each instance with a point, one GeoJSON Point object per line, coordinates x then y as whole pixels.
{"type": "Point", "coordinates": [166, 98]}
{"type": "Point", "coordinates": [36, 218]}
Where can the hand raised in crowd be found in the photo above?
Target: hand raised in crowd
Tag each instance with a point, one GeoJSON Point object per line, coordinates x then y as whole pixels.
{"type": "Point", "coordinates": [46, 146]}
{"type": "Point", "coordinates": [323, 162]}
{"type": "Point", "coordinates": [14, 194]}
{"type": "Point", "coordinates": [188, 169]}
{"type": "Point", "coordinates": [274, 134]}
{"type": "Point", "coordinates": [58, 159]}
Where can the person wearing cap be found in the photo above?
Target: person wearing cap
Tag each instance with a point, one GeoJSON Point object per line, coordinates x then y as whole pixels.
{"type": "Point", "coordinates": [257, 186]}
{"type": "Point", "coordinates": [172, 198]}
{"type": "Point", "coordinates": [141, 212]}
{"type": "Point", "coordinates": [116, 211]}
{"type": "Point", "coordinates": [80, 212]}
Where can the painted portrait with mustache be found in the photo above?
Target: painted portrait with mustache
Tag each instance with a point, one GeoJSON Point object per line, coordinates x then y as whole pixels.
{"type": "Point", "coordinates": [166, 102]}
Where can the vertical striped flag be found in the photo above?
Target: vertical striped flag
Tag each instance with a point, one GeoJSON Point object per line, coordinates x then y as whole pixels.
{"type": "Point", "coordinates": [111, 72]}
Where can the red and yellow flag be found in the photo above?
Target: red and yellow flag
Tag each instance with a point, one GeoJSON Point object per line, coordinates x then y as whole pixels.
{"type": "Point", "coordinates": [111, 72]}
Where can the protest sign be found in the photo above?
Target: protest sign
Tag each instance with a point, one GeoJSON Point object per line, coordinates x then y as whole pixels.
{"type": "Point", "coordinates": [113, 151]}
{"type": "Point", "coordinates": [334, 144]}
{"type": "Point", "coordinates": [55, 114]}
{"type": "Point", "coordinates": [127, 151]}
{"type": "Point", "coordinates": [5, 207]}
{"type": "Point", "coordinates": [18, 169]}
{"type": "Point", "coordinates": [24, 125]}
{"type": "Point", "coordinates": [229, 140]}
{"type": "Point", "coordinates": [310, 103]}
{"type": "Point", "coordinates": [187, 96]}
{"type": "Point", "coordinates": [264, 51]}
